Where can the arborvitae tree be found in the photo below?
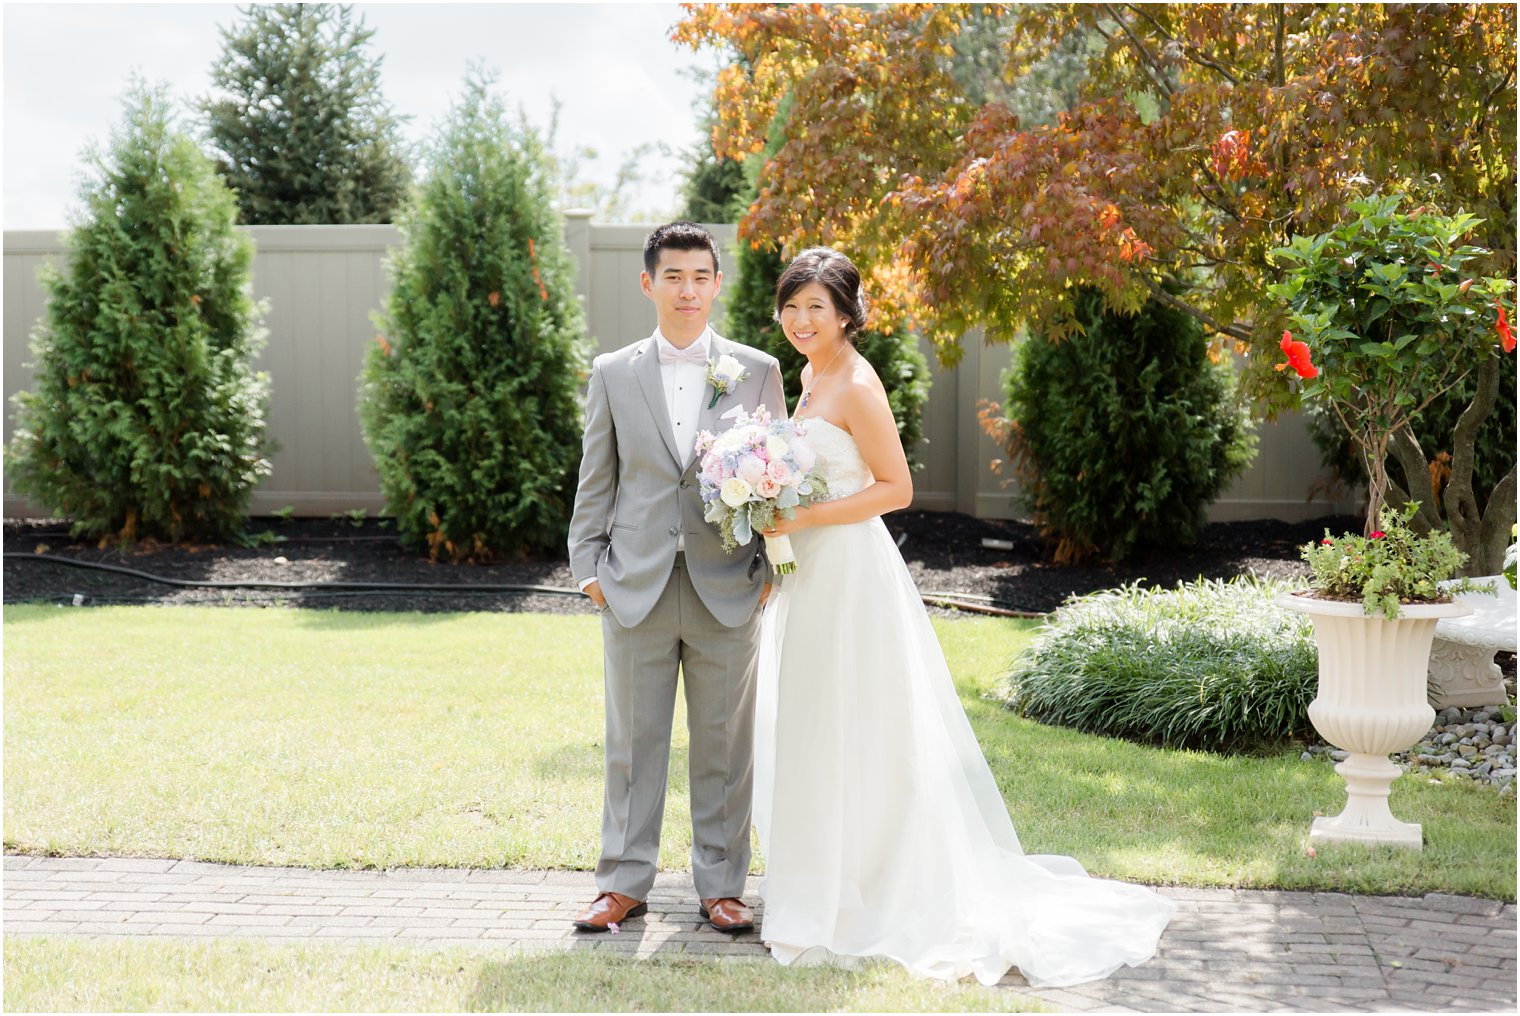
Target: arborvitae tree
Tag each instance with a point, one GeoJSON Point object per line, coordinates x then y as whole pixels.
{"type": "Point", "coordinates": [300, 125]}
{"type": "Point", "coordinates": [1125, 431]}
{"type": "Point", "coordinates": [147, 419]}
{"type": "Point", "coordinates": [470, 398]}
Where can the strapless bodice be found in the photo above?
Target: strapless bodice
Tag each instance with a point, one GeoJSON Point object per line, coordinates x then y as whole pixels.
{"type": "Point", "coordinates": [838, 458]}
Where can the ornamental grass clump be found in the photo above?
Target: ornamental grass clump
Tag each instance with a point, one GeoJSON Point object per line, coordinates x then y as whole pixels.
{"type": "Point", "coordinates": [1208, 664]}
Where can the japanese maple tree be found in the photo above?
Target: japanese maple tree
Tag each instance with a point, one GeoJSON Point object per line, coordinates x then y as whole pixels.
{"type": "Point", "coordinates": [1205, 136]}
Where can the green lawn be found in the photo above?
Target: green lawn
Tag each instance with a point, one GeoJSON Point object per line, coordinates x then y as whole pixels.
{"type": "Point", "coordinates": [71, 975]}
{"type": "Point", "coordinates": [332, 739]}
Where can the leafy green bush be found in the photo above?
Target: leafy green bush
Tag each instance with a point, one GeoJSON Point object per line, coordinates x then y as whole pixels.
{"type": "Point", "coordinates": [1125, 430]}
{"type": "Point", "coordinates": [147, 419]}
{"type": "Point", "coordinates": [1207, 665]}
{"type": "Point", "coordinates": [903, 370]}
{"type": "Point", "coordinates": [471, 407]}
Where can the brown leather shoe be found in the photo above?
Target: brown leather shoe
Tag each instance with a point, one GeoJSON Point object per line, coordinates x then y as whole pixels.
{"type": "Point", "coordinates": [609, 909]}
{"type": "Point", "coordinates": [729, 914]}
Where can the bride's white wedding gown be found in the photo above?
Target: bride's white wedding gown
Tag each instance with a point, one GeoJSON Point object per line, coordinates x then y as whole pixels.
{"type": "Point", "coordinates": [882, 827]}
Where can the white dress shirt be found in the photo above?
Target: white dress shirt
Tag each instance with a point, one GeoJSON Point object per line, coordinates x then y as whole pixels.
{"type": "Point", "coordinates": [684, 383]}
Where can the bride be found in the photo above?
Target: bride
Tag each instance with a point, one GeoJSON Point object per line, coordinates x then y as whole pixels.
{"type": "Point", "coordinates": [883, 830]}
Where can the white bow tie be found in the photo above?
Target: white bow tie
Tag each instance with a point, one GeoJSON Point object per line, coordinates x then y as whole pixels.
{"type": "Point", "coordinates": [693, 353]}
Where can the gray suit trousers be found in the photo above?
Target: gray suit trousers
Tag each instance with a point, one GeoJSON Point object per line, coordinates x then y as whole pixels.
{"type": "Point", "coordinates": [717, 665]}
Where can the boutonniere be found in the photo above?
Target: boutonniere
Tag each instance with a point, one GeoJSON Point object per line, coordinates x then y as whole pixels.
{"type": "Point", "coordinates": [724, 375]}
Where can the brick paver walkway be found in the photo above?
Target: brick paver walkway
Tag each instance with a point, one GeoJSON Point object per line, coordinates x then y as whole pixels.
{"type": "Point", "coordinates": [1234, 950]}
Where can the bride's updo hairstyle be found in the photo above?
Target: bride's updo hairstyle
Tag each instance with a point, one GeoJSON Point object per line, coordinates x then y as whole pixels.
{"type": "Point", "coordinates": [834, 272]}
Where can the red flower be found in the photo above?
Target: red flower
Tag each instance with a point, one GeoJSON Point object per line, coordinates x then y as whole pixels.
{"type": "Point", "coordinates": [1328, 542]}
{"type": "Point", "coordinates": [1298, 357]}
{"type": "Point", "coordinates": [1378, 534]}
{"type": "Point", "coordinates": [1506, 337]}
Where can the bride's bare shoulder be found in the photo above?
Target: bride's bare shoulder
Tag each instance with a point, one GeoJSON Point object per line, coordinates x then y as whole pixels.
{"type": "Point", "coordinates": [863, 379]}
{"type": "Point", "coordinates": [864, 392]}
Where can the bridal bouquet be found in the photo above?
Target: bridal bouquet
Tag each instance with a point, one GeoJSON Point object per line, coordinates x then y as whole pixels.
{"type": "Point", "coordinates": [757, 469]}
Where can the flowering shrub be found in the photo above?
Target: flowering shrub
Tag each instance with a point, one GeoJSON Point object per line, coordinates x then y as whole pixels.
{"type": "Point", "coordinates": [1389, 314]}
{"type": "Point", "coordinates": [1387, 566]}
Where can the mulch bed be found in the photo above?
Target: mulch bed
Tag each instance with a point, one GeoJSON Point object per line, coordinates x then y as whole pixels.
{"type": "Point", "coordinates": [943, 550]}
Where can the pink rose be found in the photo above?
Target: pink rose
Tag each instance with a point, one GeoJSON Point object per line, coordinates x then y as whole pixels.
{"type": "Point", "coordinates": [779, 471]}
{"type": "Point", "coordinates": [767, 487]}
{"type": "Point", "coordinates": [752, 468]}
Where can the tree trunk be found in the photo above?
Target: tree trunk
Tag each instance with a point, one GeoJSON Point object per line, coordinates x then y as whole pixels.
{"type": "Point", "coordinates": [1481, 536]}
{"type": "Point", "coordinates": [1417, 486]}
{"type": "Point", "coordinates": [1375, 451]}
{"type": "Point", "coordinates": [1472, 532]}
{"type": "Point", "coordinates": [1493, 537]}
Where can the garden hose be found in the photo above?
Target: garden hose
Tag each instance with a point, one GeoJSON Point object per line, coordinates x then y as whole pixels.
{"type": "Point", "coordinates": [294, 586]}
{"type": "Point", "coordinates": [957, 601]}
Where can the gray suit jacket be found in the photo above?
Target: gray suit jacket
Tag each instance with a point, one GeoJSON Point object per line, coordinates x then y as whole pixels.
{"type": "Point", "coordinates": [635, 497]}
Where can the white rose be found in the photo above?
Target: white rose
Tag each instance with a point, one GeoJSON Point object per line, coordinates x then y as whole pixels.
{"type": "Point", "coordinates": [736, 491]}
{"type": "Point", "coordinates": [728, 366]}
{"type": "Point", "coordinates": [776, 447]}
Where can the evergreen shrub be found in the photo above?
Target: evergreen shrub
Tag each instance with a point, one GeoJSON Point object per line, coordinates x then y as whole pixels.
{"type": "Point", "coordinates": [1125, 430]}
{"type": "Point", "coordinates": [470, 397]}
{"type": "Point", "coordinates": [147, 419]}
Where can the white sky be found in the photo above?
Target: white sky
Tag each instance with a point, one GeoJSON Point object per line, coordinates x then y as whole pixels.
{"type": "Point", "coordinates": [612, 66]}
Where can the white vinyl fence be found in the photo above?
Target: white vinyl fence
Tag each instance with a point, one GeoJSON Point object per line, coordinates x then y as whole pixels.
{"type": "Point", "coordinates": [324, 283]}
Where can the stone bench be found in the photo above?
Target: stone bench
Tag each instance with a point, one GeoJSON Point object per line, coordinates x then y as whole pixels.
{"type": "Point", "coordinates": [1462, 667]}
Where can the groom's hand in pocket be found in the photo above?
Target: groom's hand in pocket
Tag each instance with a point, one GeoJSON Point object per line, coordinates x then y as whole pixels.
{"type": "Point", "coordinates": [594, 590]}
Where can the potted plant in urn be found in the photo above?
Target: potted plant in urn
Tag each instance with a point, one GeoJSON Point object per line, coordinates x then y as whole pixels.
{"type": "Point", "coordinates": [1384, 318]}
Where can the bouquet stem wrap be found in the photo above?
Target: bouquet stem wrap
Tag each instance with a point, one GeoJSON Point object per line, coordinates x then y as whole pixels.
{"type": "Point", "coordinates": [779, 550]}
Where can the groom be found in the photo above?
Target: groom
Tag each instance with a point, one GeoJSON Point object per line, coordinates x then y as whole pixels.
{"type": "Point", "coordinates": [671, 598]}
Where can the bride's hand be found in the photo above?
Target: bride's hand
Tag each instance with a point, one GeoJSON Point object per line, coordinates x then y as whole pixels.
{"type": "Point", "coordinates": [783, 525]}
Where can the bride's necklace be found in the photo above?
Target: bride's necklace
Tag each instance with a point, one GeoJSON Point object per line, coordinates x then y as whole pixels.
{"type": "Point", "coordinates": [807, 393]}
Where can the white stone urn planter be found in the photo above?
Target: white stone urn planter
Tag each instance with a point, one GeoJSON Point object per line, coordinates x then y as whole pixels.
{"type": "Point", "coordinates": [1371, 702]}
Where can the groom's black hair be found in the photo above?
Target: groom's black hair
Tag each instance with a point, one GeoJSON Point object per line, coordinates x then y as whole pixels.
{"type": "Point", "coordinates": [678, 236]}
